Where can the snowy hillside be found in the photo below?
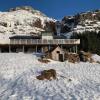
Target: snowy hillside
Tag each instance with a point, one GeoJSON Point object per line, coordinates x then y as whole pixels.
{"type": "Point", "coordinates": [18, 79]}
{"type": "Point", "coordinates": [81, 22]}
{"type": "Point", "coordinates": [24, 20]}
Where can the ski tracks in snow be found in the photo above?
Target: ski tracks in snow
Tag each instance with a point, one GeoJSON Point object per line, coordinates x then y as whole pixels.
{"type": "Point", "coordinates": [80, 81]}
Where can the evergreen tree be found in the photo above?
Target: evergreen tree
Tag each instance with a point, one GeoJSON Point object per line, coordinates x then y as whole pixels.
{"type": "Point", "coordinates": [90, 41]}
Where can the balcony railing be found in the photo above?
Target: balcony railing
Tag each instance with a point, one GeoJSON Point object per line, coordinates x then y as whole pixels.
{"type": "Point", "coordinates": [44, 42]}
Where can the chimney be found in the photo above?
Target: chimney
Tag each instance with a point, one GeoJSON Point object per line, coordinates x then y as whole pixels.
{"type": "Point", "coordinates": [58, 28]}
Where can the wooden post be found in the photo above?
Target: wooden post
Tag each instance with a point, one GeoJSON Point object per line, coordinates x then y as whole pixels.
{"type": "Point", "coordinates": [70, 50]}
{"type": "Point", "coordinates": [49, 47]}
{"type": "Point", "coordinates": [42, 49]}
{"type": "Point", "coordinates": [63, 57]}
{"type": "Point", "coordinates": [23, 49]}
{"type": "Point", "coordinates": [61, 47]}
{"type": "Point", "coordinates": [9, 48]}
{"type": "Point", "coordinates": [76, 48]}
{"type": "Point", "coordinates": [0, 50]}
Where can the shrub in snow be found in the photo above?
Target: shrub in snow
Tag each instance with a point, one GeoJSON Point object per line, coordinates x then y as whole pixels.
{"type": "Point", "coordinates": [70, 80]}
{"type": "Point", "coordinates": [98, 62]}
{"type": "Point", "coordinates": [43, 60]}
{"type": "Point", "coordinates": [86, 56]}
{"type": "Point", "coordinates": [72, 57]}
{"type": "Point", "coordinates": [47, 74]}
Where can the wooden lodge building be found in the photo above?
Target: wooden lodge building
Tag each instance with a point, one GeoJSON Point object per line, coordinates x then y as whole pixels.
{"type": "Point", "coordinates": [42, 43]}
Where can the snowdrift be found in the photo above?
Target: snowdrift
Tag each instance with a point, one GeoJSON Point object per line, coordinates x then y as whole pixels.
{"type": "Point", "coordinates": [18, 71]}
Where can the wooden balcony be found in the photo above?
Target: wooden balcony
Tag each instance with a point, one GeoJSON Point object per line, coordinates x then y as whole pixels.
{"type": "Point", "coordinates": [43, 42]}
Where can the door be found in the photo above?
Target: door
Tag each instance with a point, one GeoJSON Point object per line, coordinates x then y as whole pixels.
{"type": "Point", "coordinates": [61, 57]}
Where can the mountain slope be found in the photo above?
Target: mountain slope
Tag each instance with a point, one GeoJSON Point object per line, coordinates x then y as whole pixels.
{"type": "Point", "coordinates": [88, 21]}
{"type": "Point", "coordinates": [23, 20]}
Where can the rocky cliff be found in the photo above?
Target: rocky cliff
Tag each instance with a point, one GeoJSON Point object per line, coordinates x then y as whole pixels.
{"type": "Point", "coordinates": [88, 21]}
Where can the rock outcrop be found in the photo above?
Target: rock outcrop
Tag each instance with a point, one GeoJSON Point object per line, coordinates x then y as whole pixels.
{"type": "Point", "coordinates": [81, 22]}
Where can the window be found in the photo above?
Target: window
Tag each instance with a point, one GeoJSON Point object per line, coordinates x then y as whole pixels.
{"type": "Point", "coordinates": [58, 51]}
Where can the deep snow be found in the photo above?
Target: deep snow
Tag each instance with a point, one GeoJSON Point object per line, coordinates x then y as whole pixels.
{"type": "Point", "coordinates": [18, 81]}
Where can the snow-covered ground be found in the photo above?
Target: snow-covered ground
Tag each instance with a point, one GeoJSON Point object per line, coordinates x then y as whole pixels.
{"type": "Point", "coordinates": [96, 57]}
{"type": "Point", "coordinates": [18, 81]}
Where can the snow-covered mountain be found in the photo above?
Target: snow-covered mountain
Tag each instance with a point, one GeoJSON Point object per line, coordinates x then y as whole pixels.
{"type": "Point", "coordinates": [24, 20]}
{"type": "Point", "coordinates": [88, 21]}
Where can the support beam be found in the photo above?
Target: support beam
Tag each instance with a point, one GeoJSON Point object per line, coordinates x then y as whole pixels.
{"type": "Point", "coordinates": [36, 49]}
{"type": "Point", "coordinates": [0, 50]}
{"type": "Point", "coordinates": [70, 50]}
{"type": "Point", "coordinates": [61, 47]}
{"type": "Point", "coordinates": [23, 48]}
{"type": "Point", "coordinates": [49, 47]}
{"type": "Point", "coordinates": [76, 48]}
{"type": "Point", "coordinates": [9, 48]}
{"type": "Point", "coordinates": [42, 49]}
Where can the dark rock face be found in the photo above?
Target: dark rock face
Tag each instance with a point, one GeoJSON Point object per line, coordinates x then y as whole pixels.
{"type": "Point", "coordinates": [89, 15]}
{"type": "Point", "coordinates": [37, 24]}
{"type": "Point", "coordinates": [50, 26]}
{"type": "Point", "coordinates": [69, 22]}
{"type": "Point", "coordinates": [65, 29]}
{"type": "Point", "coordinates": [47, 74]}
{"type": "Point", "coordinates": [93, 15]}
{"type": "Point", "coordinates": [3, 24]}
